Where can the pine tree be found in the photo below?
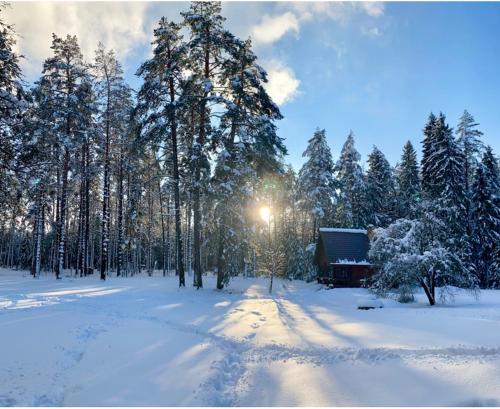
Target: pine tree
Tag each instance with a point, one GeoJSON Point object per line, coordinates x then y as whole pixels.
{"type": "Point", "coordinates": [62, 75]}
{"type": "Point", "coordinates": [350, 208]}
{"type": "Point", "coordinates": [246, 126]}
{"type": "Point", "coordinates": [115, 98]}
{"type": "Point", "coordinates": [486, 221]}
{"type": "Point", "coordinates": [207, 44]}
{"type": "Point", "coordinates": [408, 183]}
{"type": "Point", "coordinates": [13, 103]}
{"type": "Point", "coordinates": [316, 183]}
{"type": "Point", "coordinates": [380, 190]}
{"type": "Point", "coordinates": [161, 101]}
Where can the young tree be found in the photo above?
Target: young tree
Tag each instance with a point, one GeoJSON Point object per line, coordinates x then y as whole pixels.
{"type": "Point", "coordinates": [316, 183]}
{"type": "Point", "coordinates": [380, 189]}
{"type": "Point", "coordinates": [409, 254]}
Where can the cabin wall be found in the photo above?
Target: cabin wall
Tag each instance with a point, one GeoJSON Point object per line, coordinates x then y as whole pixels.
{"type": "Point", "coordinates": [346, 275]}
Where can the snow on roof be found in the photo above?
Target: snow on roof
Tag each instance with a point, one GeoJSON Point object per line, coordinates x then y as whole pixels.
{"type": "Point", "coordinates": [351, 262]}
{"type": "Point", "coordinates": [332, 229]}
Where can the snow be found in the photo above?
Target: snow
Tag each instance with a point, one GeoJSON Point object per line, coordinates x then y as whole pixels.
{"type": "Point", "coordinates": [369, 303]}
{"type": "Point", "coordinates": [142, 341]}
{"type": "Point", "coordinates": [345, 261]}
{"type": "Point", "coordinates": [338, 230]}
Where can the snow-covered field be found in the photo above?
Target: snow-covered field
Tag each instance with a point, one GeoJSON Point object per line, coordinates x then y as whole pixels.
{"type": "Point", "coordinates": [143, 341]}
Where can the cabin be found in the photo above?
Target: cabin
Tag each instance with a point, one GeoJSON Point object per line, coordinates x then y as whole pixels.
{"type": "Point", "coordinates": [341, 257]}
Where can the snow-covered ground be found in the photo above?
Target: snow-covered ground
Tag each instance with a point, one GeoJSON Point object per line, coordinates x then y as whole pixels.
{"type": "Point", "coordinates": [142, 341]}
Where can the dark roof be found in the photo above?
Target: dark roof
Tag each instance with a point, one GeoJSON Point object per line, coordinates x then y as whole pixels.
{"type": "Point", "coordinates": [344, 246]}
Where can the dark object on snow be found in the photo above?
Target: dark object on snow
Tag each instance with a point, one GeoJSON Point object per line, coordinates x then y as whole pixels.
{"type": "Point", "coordinates": [342, 257]}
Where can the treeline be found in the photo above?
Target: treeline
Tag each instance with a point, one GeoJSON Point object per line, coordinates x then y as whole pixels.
{"type": "Point", "coordinates": [98, 178]}
{"type": "Point", "coordinates": [449, 235]}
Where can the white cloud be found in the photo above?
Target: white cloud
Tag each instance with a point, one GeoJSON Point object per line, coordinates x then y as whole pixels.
{"type": "Point", "coordinates": [283, 86]}
{"type": "Point", "coordinates": [119, 25]}
{"type": "Point", "coordinates": [293, 14]}
{"type": "Point", "coordinates": [372, 8]}
{"type": "Point", "coordinates": [272, 28]}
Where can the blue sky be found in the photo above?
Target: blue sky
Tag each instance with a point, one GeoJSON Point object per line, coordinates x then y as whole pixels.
{"type": "Point", "coordinates": [375, 68]}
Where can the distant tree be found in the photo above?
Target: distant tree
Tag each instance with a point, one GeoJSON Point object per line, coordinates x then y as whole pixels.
{"type": "Point", "coordinates": [428, 149]}
{"type": "Point", "coordinates": [470, 144]}
{"type": "Point", "coordinates": [380, 190]}
{"type": "Point", "coordinates": [447, 170]}
{"type": "Point", "coordinates": [408, 182]}
{"type": "Point", "coordinates": [316, 183]}
{"type": "Point", "coordinates": [486, 221]}
{"type": "Point", "coordinates": [350, 210]}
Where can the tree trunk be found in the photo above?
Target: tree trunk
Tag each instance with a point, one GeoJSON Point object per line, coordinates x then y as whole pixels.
{"type": "Point", "coordinates": [177, 207]}
{"type": "Point", "coordinates": [105, 193]}
{"type": "Point", "coordinates": [220, 259]}
{"type": "Point", "coordinates": [62, 214]}
{"type": "Point", "coordinates": [119, 257]}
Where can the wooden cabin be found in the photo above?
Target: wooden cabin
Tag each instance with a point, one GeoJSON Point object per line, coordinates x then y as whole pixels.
{"type": "Point", "coordinates": [341, 257]}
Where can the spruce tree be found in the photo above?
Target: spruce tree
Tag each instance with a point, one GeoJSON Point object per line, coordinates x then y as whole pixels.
{"type": "Point", "coordinates": [486, 221]}
{"type": "Point", "coordinates": [468, 140]}
{"type": "Point", "coordinates": [380, 190]}
{"type": "Point", "coordinates": [316, 182]}
{"type": "Point", "coordinates": [428, 149]}
{"type": "Point", "coordinates": [448, 187]}
{"type": "Point", "coordinates": [350, 210]}
{"type": "Point", "coordinates": [408, 182]}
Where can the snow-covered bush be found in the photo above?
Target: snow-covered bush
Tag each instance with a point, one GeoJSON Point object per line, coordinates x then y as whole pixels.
{"type": "Point", "coordinates": [409, 254]}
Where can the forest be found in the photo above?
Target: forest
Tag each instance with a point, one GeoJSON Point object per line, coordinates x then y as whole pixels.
{"type": "Point", "coordinates": [188, 176]}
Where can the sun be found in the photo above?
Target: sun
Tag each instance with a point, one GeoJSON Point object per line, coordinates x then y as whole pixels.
{"type": "Point", "coordinates": [265, 213]}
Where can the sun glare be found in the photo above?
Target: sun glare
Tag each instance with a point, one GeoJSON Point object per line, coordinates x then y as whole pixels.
{"type": "Point", "coordinates": [265, 213]}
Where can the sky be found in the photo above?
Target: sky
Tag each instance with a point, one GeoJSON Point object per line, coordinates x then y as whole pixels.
{"type": "Point", "coordinates": [375, 68]}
